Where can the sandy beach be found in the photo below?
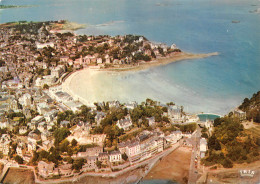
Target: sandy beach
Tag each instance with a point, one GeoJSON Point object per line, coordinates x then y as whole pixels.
{"type": "Point", "coordinates": [97, 85]}
{"type": "Point", "coordinates": [174, 167]}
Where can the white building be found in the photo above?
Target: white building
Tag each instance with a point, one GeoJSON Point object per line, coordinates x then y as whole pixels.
{"type": "Point", "coordinates": [175, 113]}
{"type": "Point", "coordinates": [27, 99]}
{"type": "Point", "coordinates": [23, 130]}
{"type": "Point", "coordinates": [42, 45]}
{"type": "Point", "coordinates": [125, 123]}
{"type": "Point", "coordinates": [49, 116]}
{"type": "Point", "coordinates": [133, 150]}
{"type": "Point", "coordinates": [58, 71]}
{"type": "Point", "coordinates": [48, 79]}
{"type": "Point", "coordinates": [115, 156]}
{"type": "Point", "coordinates": [203, 147]}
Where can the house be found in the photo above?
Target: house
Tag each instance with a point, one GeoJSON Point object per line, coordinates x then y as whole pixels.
{"type": "Point", "coordinates": [27, 99]}
{"type": "Point", "coordinates": [65, 170]}
{"type": "Point", "coordinates": [50, 125]}
{"type": "Point", "coordinates": [131, 105]}
{"type": "Point", "coordinates": [122, 146]}
{"type": "Point", "coordinates": [192, 119]}
{"type": "Point", "coordinates": [107, 59]}
{"type": "Point", "coordinates": [6, 147]}
{"type": "Point", "coordinates": [14, 105]}
{"type": "Point", "coordinates": [151, 121]}
{"type": "Point", "coordinates": [42, 126]}
{"type": "Point", "coordinates": [91, 161]}
{"type": "Point", "coordinates": [20, 149]}
{"type": "Point", "coordinates": [103, 157]}
{"type": "Point", "coordinates": [115, 156]}
{"type": "Point", "coordinates": [23, 130]}
{"type": "Point", "coordinates": [203, 147]}
{"type": "Point", "coordinates": [46, 145]}
{"type": "Point", "coordinates": [125, 123]}
{"type": "Point", "coordinates": [49, 116]}
{"type": "Point", "coordinates": [37, 120]}
{"type": "Point", "coordinates": [64, 123]}
{"type": "Point", "coordinates": [48, 79]}
{"type": "Point", "coordinates": [4, 124]}
{"type": "Point", "coordinates": [5, 142]}
{"type": "Point", "coordinates": [45, 169]}
{"type": "Point", "coordinates": [33, 137]}
{"type": "Point", "coordinates": [239, 114]}
{"type": "Point", "coordinates": [174, 137]}
{"type": "Point", "coordinates": [31, 147]}
{"type": "Point", "coordinates": [175, 113]}
{"type": "Point", "coordinates": [99, 117]}
{"type": "Point", "coordinates": [99, 60]}
{"type": "Point", "coordinates": [27, 113]}
{"type": "Point", "coordinates": [64, 59]}
{"type": "Point", "coordinates": [94, 151]}
{"type": "Point", "coordinates": [160, 144]}
{"type": "Point", "coordinates": [45, 135]}
{"type": "Point", "coordinates": [114, 103]}
{"type": "Point", "coordinates": [133, 151]}
{"type": "Point", "coordinates": [84, 126]}
{"type": "Point", "coordinates": [89, 152]}
{"type": "Point", "coordinates": [42, 107]}
{"type": "Point", "coordinates": [58, 71]}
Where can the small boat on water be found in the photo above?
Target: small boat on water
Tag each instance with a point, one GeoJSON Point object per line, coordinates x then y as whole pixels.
{"type": "Point", "coordinates": [235, 21]}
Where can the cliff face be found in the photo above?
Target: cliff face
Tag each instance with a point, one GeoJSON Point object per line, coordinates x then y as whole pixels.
{"type": "Point", "coordinates": [252, 107]}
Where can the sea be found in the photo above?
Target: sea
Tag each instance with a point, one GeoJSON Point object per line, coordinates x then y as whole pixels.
{"type": "Point", "coordinates": [211, 85]}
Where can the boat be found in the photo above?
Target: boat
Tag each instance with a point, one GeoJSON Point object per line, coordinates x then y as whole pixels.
{"type": "Point", "coordinates": [235, 21]}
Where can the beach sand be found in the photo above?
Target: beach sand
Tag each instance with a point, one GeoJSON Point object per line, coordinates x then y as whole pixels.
{"type": "Point", "coordinates": [97, 85]}
{"type": "Point", "coordinates": [174, 167]}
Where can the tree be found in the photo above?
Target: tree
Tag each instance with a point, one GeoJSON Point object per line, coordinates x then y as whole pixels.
{"type": "Point", "coordinates": [74, 142]}
{"type": "Point", "coordinates": [227, 163]}
{"type": "Point", "coordinates": [64, 145]}
{"type": "Point", "coordinates": [205, 135]}
{"type": "Point", "coordinates": [60, 134]}
{"type": "Point", "coordinates": [77, 164]}
{"type": "Point", "coordinates": [45, 86]}
{"type": "Point", "coordinates": [99, 164]}
{"type": "Point", "coordinates": [43, 154]}
{"type": "Point", "coordinates": [165, 109]}
{"type": "Point", "coordinates": [124, 156]}
{"type": "Point", "coordinates": [18, 159]}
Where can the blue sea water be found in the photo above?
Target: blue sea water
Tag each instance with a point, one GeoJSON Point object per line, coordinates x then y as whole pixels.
{"type": "Point", "coordinates": [205, 117]}
{"type": "Point", "coordinates": [216, 84]}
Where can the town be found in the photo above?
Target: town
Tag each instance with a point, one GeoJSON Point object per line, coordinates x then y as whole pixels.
{"type": "Point", "coordinates": [46, 129]}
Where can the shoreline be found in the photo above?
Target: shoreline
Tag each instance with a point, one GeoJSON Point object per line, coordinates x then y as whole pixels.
{"type": "Point", "coordinates": [89, 73]}
{"type": "Point", "coordinates": [172, 58]}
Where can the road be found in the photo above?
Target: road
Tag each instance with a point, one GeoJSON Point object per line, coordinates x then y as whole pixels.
{"type": "Point", "coordinates": [193, 171]}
